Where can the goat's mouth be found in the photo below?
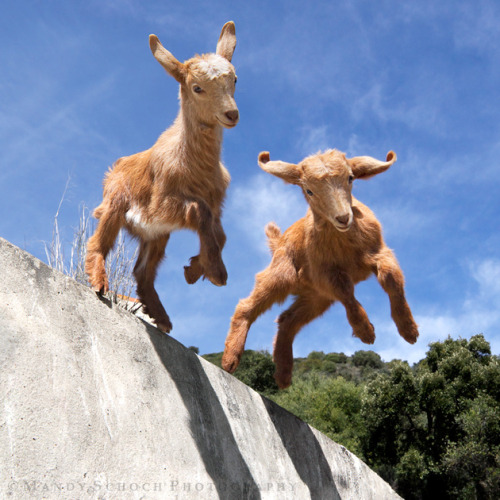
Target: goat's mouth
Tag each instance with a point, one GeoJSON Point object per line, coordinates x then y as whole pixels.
{"type": "Point", "coordinates": [228, 123]}
{"type": "Point", "coordinates": [343, 228]}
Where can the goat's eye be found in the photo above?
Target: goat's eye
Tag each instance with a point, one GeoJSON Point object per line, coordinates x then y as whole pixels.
{"type": "Point", "coordinates": [351, 178]}
{"type": "Point", "coordinates": [309, 192]}
{"type": "Point", "coordinates": [235, 79]}
{"type": "Point", "coordinates": [197, 89]}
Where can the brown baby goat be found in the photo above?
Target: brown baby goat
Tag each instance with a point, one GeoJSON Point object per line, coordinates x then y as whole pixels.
{"type": "Point", "coordinates": [179, 183]}
{"type": "Point", "coordinates": [320, 258]}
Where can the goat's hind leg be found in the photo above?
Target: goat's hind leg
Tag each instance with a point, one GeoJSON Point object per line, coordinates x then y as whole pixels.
{"type": "Point", "coordinates": [272, 285]}
{"type": "Point", "coordinates": [391, 279]}
{"type": "Point", "coordinates": [302, 311]}
{"type": "Point", "coordinates": [151, 254]}
{"type": "Point", "coordinates": [99, 245]}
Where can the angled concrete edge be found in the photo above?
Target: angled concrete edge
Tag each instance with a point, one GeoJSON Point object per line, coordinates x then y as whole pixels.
{"type": "Point", "coordinates": [98, 404]}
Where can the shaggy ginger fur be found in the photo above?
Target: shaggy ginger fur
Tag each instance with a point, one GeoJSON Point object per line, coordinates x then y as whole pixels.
{"type": "Point", "coordinates": [179, 183]}
{"type": "Point", "coordinates": [320, 258]}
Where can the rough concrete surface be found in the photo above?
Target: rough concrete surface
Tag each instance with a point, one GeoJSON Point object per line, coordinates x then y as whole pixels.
{"type": "Point", "coordinates": [96, 403]}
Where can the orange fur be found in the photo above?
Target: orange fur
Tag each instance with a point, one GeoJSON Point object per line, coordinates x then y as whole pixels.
{"type": "Point", "coordinates": [179, 183]}
{"type": "Point", "coordinates": [320, 258]}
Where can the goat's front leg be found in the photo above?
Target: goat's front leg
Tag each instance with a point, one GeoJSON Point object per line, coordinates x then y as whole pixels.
{"type": "Point", "coordinates": [343, 289]}
{"type": "Point", "coordinates": [99, 245]}
{"type": "Point", "coordinates": [302, 311]}
{"type": "Point", "coordinates": [151, 254]}
{"type": "Point", "coordinates": [194, 271]}
{"type": "Point", "coordinates": [391, 279]}
{"type": "Point", "coordinates": [199, 217]}
{"type": "Point", "coordinates": [272, 285]}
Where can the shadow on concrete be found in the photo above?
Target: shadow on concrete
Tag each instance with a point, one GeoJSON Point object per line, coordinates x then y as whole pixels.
{"type": "Point", "coordinates": [313, 467]}
{"type": "Point", "coordinates": [105, 300]}
{"type": "Point", "coordinates": [208, 422]}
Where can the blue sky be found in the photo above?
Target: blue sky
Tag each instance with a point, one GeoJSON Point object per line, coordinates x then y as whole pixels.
{"type": "Point", "coordinates": [79, 88]}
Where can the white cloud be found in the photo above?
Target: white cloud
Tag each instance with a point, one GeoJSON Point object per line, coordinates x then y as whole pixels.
{"type": "Point", "coordinates": [264, 199]}
{"type": "Point", "coordinates": [431, 328]}
{"type": "Point", "coordinates": [400, 218]}
{"type": "Point", "coordinates": [314, 139]}
{"type": "Point", "coordinates": [487, 275]}
{"type": "Point", "coordinates": [413, 111]}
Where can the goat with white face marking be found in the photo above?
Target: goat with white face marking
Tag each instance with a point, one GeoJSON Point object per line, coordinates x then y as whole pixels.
{"type": "Point", "coordinates": [179, 183]}
{"type": "Point", "coordinates": [320, 258]}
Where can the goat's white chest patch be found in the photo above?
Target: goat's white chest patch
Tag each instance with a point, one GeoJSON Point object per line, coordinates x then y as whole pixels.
{"type": "Point", "coordinates": [215, 66]}
{"type": "Point", "coordinates": [148, 229]}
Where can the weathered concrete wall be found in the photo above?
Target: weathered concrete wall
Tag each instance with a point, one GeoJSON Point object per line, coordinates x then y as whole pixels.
{"type": "Point", "coordinates": [95, 403]}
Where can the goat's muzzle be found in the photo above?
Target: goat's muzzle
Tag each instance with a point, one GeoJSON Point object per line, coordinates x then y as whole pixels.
{"type": "Point", "coordinates": [343, 222]}
{"type": "Point", "coordinates": [231, 118]}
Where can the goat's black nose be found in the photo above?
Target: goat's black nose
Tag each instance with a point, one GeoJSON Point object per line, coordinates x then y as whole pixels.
{"type": "Point", "coordinates": [342, 219]}
{"type": "Point", "coordinates": [232, 115]}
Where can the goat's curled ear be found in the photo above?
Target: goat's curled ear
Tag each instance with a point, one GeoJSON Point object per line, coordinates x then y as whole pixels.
{"type": "Point", "coordinates": [166, 59]}
{"type": "Point", "coordinates": [364, 167]}
{"type": "Point", "coordinates": [227, 41]}
{"type": "Point", "coordinates": [289, 172]}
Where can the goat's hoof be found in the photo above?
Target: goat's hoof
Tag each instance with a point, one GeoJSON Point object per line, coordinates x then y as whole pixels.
{"type": "Point", "coordinates": [365, 333]}
{"type": "Point", "coordinates": [161, 321]}
{"type": "Point", "coordinates": [410, 332]}
{"type": "Point", "coordinates": [283, 379]}
{"type": "Point", "coordinates": [192, 274]}
{"type": "Point", "coordinates": [100, 287]}
{"type": "Point", "coordinates": [219, 278]}
{"type": "Point", "coordinates": [164, 326]}
{"type": "Point", "coordinates": [230, 362]}
{"type": "Point", "coordinates": [194, 271]}
{"type": "Point", "coordinates": [217, 282]}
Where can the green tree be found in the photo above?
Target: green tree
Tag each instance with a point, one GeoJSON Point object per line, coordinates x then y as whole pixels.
{"type": "Point", "coordinates": [390, 413]}
{"type": "Point", "coordinates": [336, 357]}
{"type": "Point", "coordinates": [256, 369]}
{"type": "Point", "coordinates": [316, 355]}
{"type": "Point", "coordinates": [435, 430]}
{"type": "Point", "coordinates": [331, 405]}
{"type": "Point", "coordinates": [329, 367]}
{"type": "Point", "coordinates": [473, 463]}
{"type": "Point", "coordinates": [368, 359]}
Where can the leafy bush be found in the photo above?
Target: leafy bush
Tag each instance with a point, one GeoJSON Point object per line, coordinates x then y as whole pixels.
{"type": "Point", "coordinates": [331, 405]}
{"type": "Point", "coordinates": [256, 369]}
{"type": "Point", "coordinates": [367, 358]}
{"type": "Point", "coordinates": [435, 430]}
{"type": "Point", "coordinates": [336, 357]}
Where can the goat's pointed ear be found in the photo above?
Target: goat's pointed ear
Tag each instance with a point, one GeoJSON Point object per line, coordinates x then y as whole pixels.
{"type": "Point", "coordinates": [289, 172]}
{"type": "Point", "coordinates": [227, 41]}
{"type": "Point", "coordinates": [166, 59]}
{"type": "Point", "coordinates": [364, 167]}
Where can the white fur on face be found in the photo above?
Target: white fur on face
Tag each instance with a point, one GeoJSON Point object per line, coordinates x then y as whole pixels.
{"type": "Point", "coordinates": [214, 66]}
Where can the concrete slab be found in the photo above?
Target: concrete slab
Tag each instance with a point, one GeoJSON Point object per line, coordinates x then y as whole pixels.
{"type": "Point", "coordinates": [96, 403]}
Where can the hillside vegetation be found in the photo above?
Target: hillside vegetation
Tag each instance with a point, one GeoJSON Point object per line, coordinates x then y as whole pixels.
{"type": "Point", "coordinates": [432, 430]}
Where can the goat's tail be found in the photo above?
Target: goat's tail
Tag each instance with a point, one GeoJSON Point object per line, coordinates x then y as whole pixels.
{"type": "Point", "coordinates": [273, 233]}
